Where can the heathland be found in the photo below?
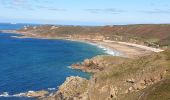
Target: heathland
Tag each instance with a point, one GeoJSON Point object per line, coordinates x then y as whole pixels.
{"type": "Point", "coordinates": [141, 73]}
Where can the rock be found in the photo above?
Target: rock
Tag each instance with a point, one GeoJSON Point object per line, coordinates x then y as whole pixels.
{"type": "Point", "coordinates": [104, 89]}
{"type": "Point", "coordinates": [74, 88]}
{"type": "Point", "coordinates": [139, 86]}
{"type": "Point", "coordinates": [87, 62]}
{"type": "Point", "coordinates": [130, 89]}
{"type": "Point", "coordinates": [37, 94]}
{"type": "Point", "coordinates": [113, 92]}
{"type": "Point", "coordinates": [130, 80]}
{"type": "Point", "coordinates": [53, 27]}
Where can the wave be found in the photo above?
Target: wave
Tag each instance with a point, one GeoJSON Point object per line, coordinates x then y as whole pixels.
{"type": "Point", "coordinates": [22, 94]}
{"type": "Point", "coordinates": [69, 67]}
{"type": "Point", "coordinates": [6, 94]}
{"type": "Point", "coordinates": [51, 89]}
{"type": "Point", "coordinates": [106, 50]}
{"type": "Point", "coordinates": [19, 95]}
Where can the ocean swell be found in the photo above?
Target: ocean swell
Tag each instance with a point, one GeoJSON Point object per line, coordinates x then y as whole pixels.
{"type": "Point", "coordinates": [24, 94]}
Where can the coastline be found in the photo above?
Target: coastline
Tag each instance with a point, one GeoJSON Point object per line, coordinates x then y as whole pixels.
{"type": "Point", "coordinates": [124, 49]}
{"type": "Point", "coordinates": [128, 50]}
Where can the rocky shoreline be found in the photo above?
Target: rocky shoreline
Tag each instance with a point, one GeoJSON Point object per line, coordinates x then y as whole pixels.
{"type": "Point", "coordinates": [77, 88]}
{"type": "Point", "coordinates": [114, 77]}
{"type": "Point", "coordinates": [74, 88]}
{"type": "Point", "coordinates": [138, 75]}
{"type": "Point", "coordinates": [98, 63]}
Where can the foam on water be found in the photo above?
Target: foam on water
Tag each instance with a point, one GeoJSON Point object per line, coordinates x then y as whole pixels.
{"type": "Point", "coordinates": [6, 94]}
{"type": "Point", "coordinates": [106, 49]}
{"type": "Point", "coordinates": [69, 67]}
{"type": "Point", "coordinates": [51, 89]}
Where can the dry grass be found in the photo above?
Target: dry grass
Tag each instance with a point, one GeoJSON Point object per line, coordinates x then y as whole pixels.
{"type": "Point", "coordinates": [150, 35]}
{"type": "Point", "coordinates": [145, 68]}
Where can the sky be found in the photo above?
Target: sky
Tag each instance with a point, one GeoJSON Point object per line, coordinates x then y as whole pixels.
{"type": "Point", "coordinates": [85, 12]}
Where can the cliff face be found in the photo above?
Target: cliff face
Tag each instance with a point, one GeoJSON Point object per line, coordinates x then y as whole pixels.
{"type": "Point", "coordinates": [127, 80]}
{"type": "Point", "coordinates": [115, 78]}
{"type": "Point", "coordinates": [74, 88]}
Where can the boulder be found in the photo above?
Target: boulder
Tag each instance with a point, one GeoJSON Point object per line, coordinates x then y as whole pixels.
{"type": "Point", "coordinates": [74, 88]}
{"type": "Point", "coordinates": [130, 80]}
{"type": "Point", "coordinates": [37, 94]}
{"type": "Point", "coordinates": [87, 62]}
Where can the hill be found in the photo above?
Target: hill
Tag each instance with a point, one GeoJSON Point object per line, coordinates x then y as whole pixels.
{"type": "Point", "coordinates": [115, 78]}
{"type": "Point", "coordinates": [151, 35]}
{"type": "Point", "coordinates": [145, 78]}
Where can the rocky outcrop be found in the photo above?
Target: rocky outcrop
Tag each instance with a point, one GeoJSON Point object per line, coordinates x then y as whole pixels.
{"type": "Point", "coordinates": [74, 88]}
{"type": "Point", "coordinates": [32, 94]}
{"type": "Point", "coordinates": [90, 65]}
{"type": "Point", "coordinates": [37, 94]}
{"type": "Point", "coordinates": [146, 81]}
{"type": "Point", "coordinates": [118, 80]}
{"type": "Point", "coordinates": [114, 77]}
{"type": "Point", "coordinates": [112, 89]}
{"type": "Point", "coordinates": [129, 78]}
{"type": "Point", "coordinates": [98, 63]}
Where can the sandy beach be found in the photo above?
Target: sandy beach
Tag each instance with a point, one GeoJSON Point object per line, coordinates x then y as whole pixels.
{"type": "Point", "coordinates": [129, 50]}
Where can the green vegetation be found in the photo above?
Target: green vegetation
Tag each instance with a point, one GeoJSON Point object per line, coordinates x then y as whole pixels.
{"type": "Point", "coordinates": [149, 63]}
{"type": "Point", "coordinates": [150, 35]}
{"type": "Point", "coordinates": [143, 73]}
{"type": "Point", "coordinates": [143, 78]}
{"type": "Point", "coordinates": [158, 91]}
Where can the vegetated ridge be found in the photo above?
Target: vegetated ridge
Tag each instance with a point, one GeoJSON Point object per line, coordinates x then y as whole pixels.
{"type": "Point", "coordinates": [115, 78]}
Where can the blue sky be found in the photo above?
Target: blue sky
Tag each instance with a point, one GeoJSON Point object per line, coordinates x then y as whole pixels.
{"type": "Point", "coordinates": [85, 12]}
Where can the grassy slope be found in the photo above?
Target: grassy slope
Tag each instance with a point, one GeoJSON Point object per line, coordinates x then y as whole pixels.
{"type": "Point", "coordinates": [148, 34]}
{"type": "Point", "coordinates": [150, 69]}
{"type": "Point", "coordinates": [111, 83]}
{"type": "Point", "coordinates": [98, 63]}
{"type": "Point", "coordinates": [158, 91]}
{"type": "Point", "coordinates": [161, 90]}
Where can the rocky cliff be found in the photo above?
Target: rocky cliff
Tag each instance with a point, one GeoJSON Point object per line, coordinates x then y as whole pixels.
{"type": "Point", "coordinates": [132, 78]}
{"type": "Point", "coordinates": [74, 88]}
{"type": "Point", "coordinates": [115, 78]}
{"type": "Point", "coordinates": [129, 78]}
{"type": "Point", "coordinates": [98, 63]}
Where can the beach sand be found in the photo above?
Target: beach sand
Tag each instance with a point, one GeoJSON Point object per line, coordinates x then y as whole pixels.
{"type": "Point", "coordinates": [129, 50]}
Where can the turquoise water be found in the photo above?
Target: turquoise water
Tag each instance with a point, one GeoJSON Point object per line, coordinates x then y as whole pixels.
{"type": "Point", "coordinates": [36, 64]}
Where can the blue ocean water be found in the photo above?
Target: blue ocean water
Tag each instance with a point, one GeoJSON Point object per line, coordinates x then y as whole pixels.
{"type": "Point", "coordinates": [36, 64]}
{"type": "Point", "coordinates": [8, 26]}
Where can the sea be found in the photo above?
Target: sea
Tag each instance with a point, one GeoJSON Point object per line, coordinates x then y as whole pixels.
{"type": "Point", "coordinates": [29, 64]}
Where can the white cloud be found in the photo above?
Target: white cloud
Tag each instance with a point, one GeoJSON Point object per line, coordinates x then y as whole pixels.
{"type": "Point", "coordinates": [107, 10]}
